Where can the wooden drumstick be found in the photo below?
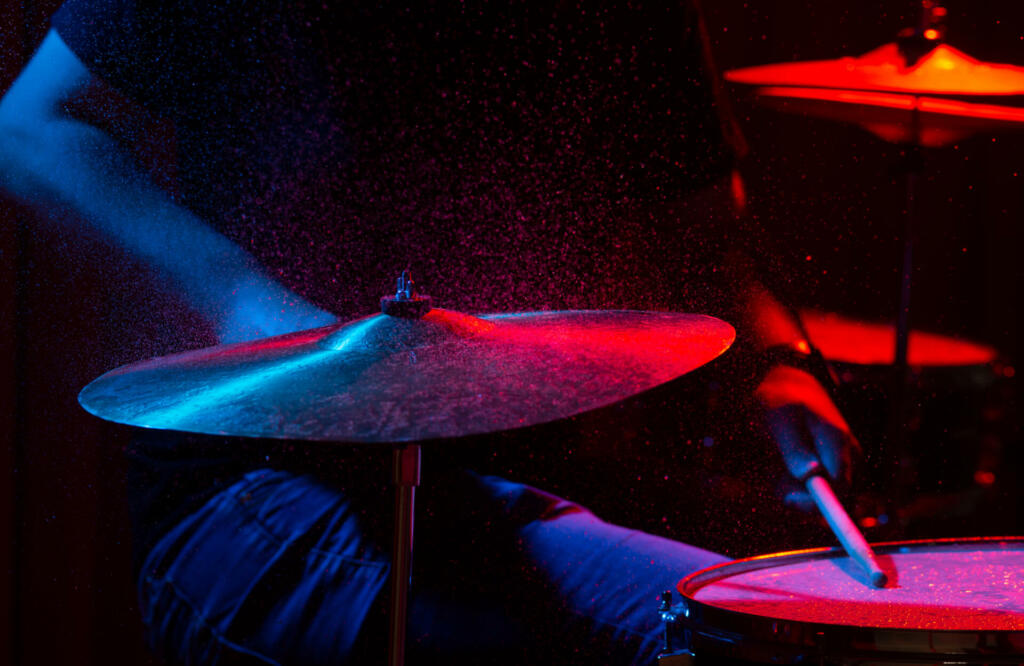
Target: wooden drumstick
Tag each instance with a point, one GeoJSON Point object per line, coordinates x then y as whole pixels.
{"type": "Point", "coordinates": [844, 529]}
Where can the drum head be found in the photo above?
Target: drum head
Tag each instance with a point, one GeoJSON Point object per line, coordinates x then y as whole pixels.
{"type": "Point", "coordinates": [953, 598]}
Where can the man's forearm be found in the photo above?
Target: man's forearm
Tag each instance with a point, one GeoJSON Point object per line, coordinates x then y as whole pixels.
{"type": "Point", "coordinates": [67, 168]}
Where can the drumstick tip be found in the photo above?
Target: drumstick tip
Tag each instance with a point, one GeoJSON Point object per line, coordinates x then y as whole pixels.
{"type": "Point", "coordinates": [845, 530]}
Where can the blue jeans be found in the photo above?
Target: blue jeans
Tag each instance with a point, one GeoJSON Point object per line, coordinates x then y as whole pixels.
{"type": "Point", "coordinates": [281, 568]}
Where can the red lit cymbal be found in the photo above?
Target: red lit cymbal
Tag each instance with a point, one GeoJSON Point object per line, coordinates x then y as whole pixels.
{"type": "Point", "coordinates": [926, 121]}
{"type": "Point", "coordinates": [385, 379]}
{"type": "Point", "coordinates": [943, 71]}
{"type": "Point", "coordinates": [849, 340]}
{"type": "Point", "coordinates": [945, 96]}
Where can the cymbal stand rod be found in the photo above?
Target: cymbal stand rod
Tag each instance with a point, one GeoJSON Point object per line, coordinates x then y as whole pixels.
{"type": "Point", "coordinates": [912, 168]}
{"type": "Point", "coordinates": [406, 465]}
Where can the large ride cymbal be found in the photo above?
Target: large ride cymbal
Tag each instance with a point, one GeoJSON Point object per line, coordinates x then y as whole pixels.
{"type": "Point", "coordinates": [941, 98]}
{"type": "Point", "coordinates": [387, 379]}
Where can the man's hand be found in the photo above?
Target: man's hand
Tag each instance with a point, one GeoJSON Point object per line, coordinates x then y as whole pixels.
{"type": "Point", "coordinates": [811, 434]}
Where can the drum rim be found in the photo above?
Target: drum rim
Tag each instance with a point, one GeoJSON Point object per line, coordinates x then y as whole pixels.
{"type": "Point", "coordinates": [712, 624]}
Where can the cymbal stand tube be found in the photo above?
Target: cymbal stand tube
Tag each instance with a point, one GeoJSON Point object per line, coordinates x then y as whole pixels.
{"type": "Point", "coordinates": [912, 167]}
{"type": "Point", "coordinates": [406, 464]}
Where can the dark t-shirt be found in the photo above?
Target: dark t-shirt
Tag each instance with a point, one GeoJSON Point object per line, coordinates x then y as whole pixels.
{"type": "Point", "coordinates": [506, 152]}
{"type": "Point", "coordinates": [516, 156]}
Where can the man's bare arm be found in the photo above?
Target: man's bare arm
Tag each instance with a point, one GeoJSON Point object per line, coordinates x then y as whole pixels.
{"type": "Point", "coordinates": [70, 169]}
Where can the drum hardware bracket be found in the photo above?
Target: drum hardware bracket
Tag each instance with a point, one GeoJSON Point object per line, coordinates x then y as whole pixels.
{"type": "Point", "coordinates": [669, 613]}
{"type": "Point", "coordinates": [406, 302]}
{"type": "Point", "coordinates": [682, 658]}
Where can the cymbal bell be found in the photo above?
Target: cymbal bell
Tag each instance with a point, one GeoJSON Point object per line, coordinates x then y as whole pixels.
{"type": "Point", "coordinates": [389, 379]}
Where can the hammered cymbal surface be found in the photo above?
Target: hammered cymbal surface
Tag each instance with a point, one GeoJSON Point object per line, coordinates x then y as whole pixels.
{"type": "Point", "coordinates": [384, 379]}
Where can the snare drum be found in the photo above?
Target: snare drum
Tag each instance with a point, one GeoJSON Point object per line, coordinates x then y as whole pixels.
{"type": "Point", "coordinates": [951, 601]}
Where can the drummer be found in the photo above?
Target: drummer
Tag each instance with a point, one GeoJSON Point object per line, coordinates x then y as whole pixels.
{"type": "Point", "coordinates": [532, 156]}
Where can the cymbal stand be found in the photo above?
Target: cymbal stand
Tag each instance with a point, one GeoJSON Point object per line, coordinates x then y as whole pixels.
{"type": "Point", "coordinates": [407, 303]}
{"type": "Point", "coordinates": [913, 44]}
{"type": "Point", "coordinates": [406, 466]}
{"type": "Point", "coordinates": [911, 164]}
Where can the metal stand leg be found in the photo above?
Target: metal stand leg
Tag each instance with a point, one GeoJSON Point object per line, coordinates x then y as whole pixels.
{"type": "Point", "coordinates": [406, 463]}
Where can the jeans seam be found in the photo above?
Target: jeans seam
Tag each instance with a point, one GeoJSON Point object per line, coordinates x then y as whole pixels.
{"type": "Point", "coordinates": [256, 521]}
{"type": "Point", "coordinates": [200, 618]}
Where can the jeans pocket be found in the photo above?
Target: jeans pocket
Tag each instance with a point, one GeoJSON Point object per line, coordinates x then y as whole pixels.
{"type": "Point", "coordinates": [180, 635]}
{"type": "Point", "coordinates": [273, 568]}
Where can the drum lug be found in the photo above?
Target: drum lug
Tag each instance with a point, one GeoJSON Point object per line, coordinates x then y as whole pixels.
{"type": "Point", "coordinates": [670, 656]}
